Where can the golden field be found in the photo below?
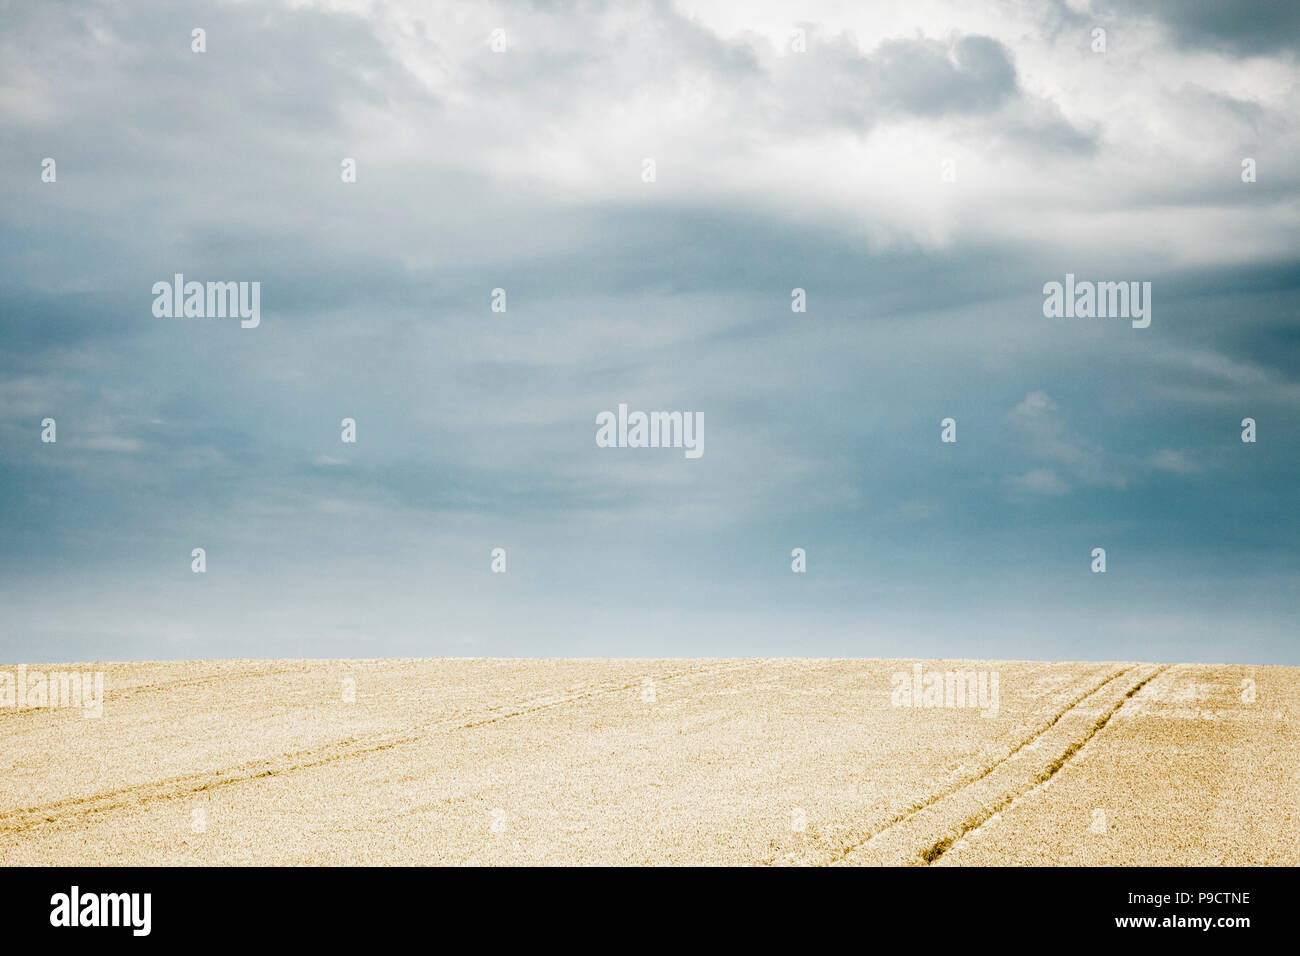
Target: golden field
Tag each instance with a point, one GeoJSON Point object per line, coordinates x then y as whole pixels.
{"type": "Point", "coordinates": [748, 761]}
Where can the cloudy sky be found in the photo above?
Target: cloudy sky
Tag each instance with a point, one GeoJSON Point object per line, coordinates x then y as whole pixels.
{"type": "Point", "coordinates": [776, 168]}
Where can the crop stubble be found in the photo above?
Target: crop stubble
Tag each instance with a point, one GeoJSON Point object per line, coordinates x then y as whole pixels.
{"type": "Point", "coordinates": [771, 761]}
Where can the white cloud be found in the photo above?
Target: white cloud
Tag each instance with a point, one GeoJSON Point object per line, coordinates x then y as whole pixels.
{"type": "Point", "coordinates": [1173, 460]}
{"type": "Point", "coordinates": [1040, 481]}
{"type": "Point", "coordinates": [1046, 434]}
{"type": "Point", "coordinates": [112, 443]}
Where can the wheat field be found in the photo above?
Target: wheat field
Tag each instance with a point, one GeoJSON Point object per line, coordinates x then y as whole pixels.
{"type": "Point", "coordinates": [662, 762]}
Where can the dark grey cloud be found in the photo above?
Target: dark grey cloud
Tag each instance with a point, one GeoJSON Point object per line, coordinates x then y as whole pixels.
{"type": "Point", "coordinates": [929, 78]}
{"type": "Point", "coordinates": [1241, 27]}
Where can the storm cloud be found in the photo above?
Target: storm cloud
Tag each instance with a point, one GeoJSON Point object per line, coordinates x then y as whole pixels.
{"type": "Point", "coordinates": [919, 175]}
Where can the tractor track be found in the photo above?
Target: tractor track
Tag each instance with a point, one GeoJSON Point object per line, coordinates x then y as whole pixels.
{"type": "Point", "coordinates": [27, 818]}
{"type": "Point", "coordinates": [953, 794]}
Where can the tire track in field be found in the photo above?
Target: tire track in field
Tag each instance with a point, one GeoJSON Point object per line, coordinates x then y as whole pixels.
{"type": "Point", "coordinates": [114, 696]}
{"type": "Point", "coordinates": [905, 816]}
{"type": "Point", "coordinates": [19, 820]}
{"type": "Point", "coordinates": [945, 843]}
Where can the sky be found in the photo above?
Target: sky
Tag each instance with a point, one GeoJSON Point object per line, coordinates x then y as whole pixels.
{"type": "Point", "coordinates": [919, 169]}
